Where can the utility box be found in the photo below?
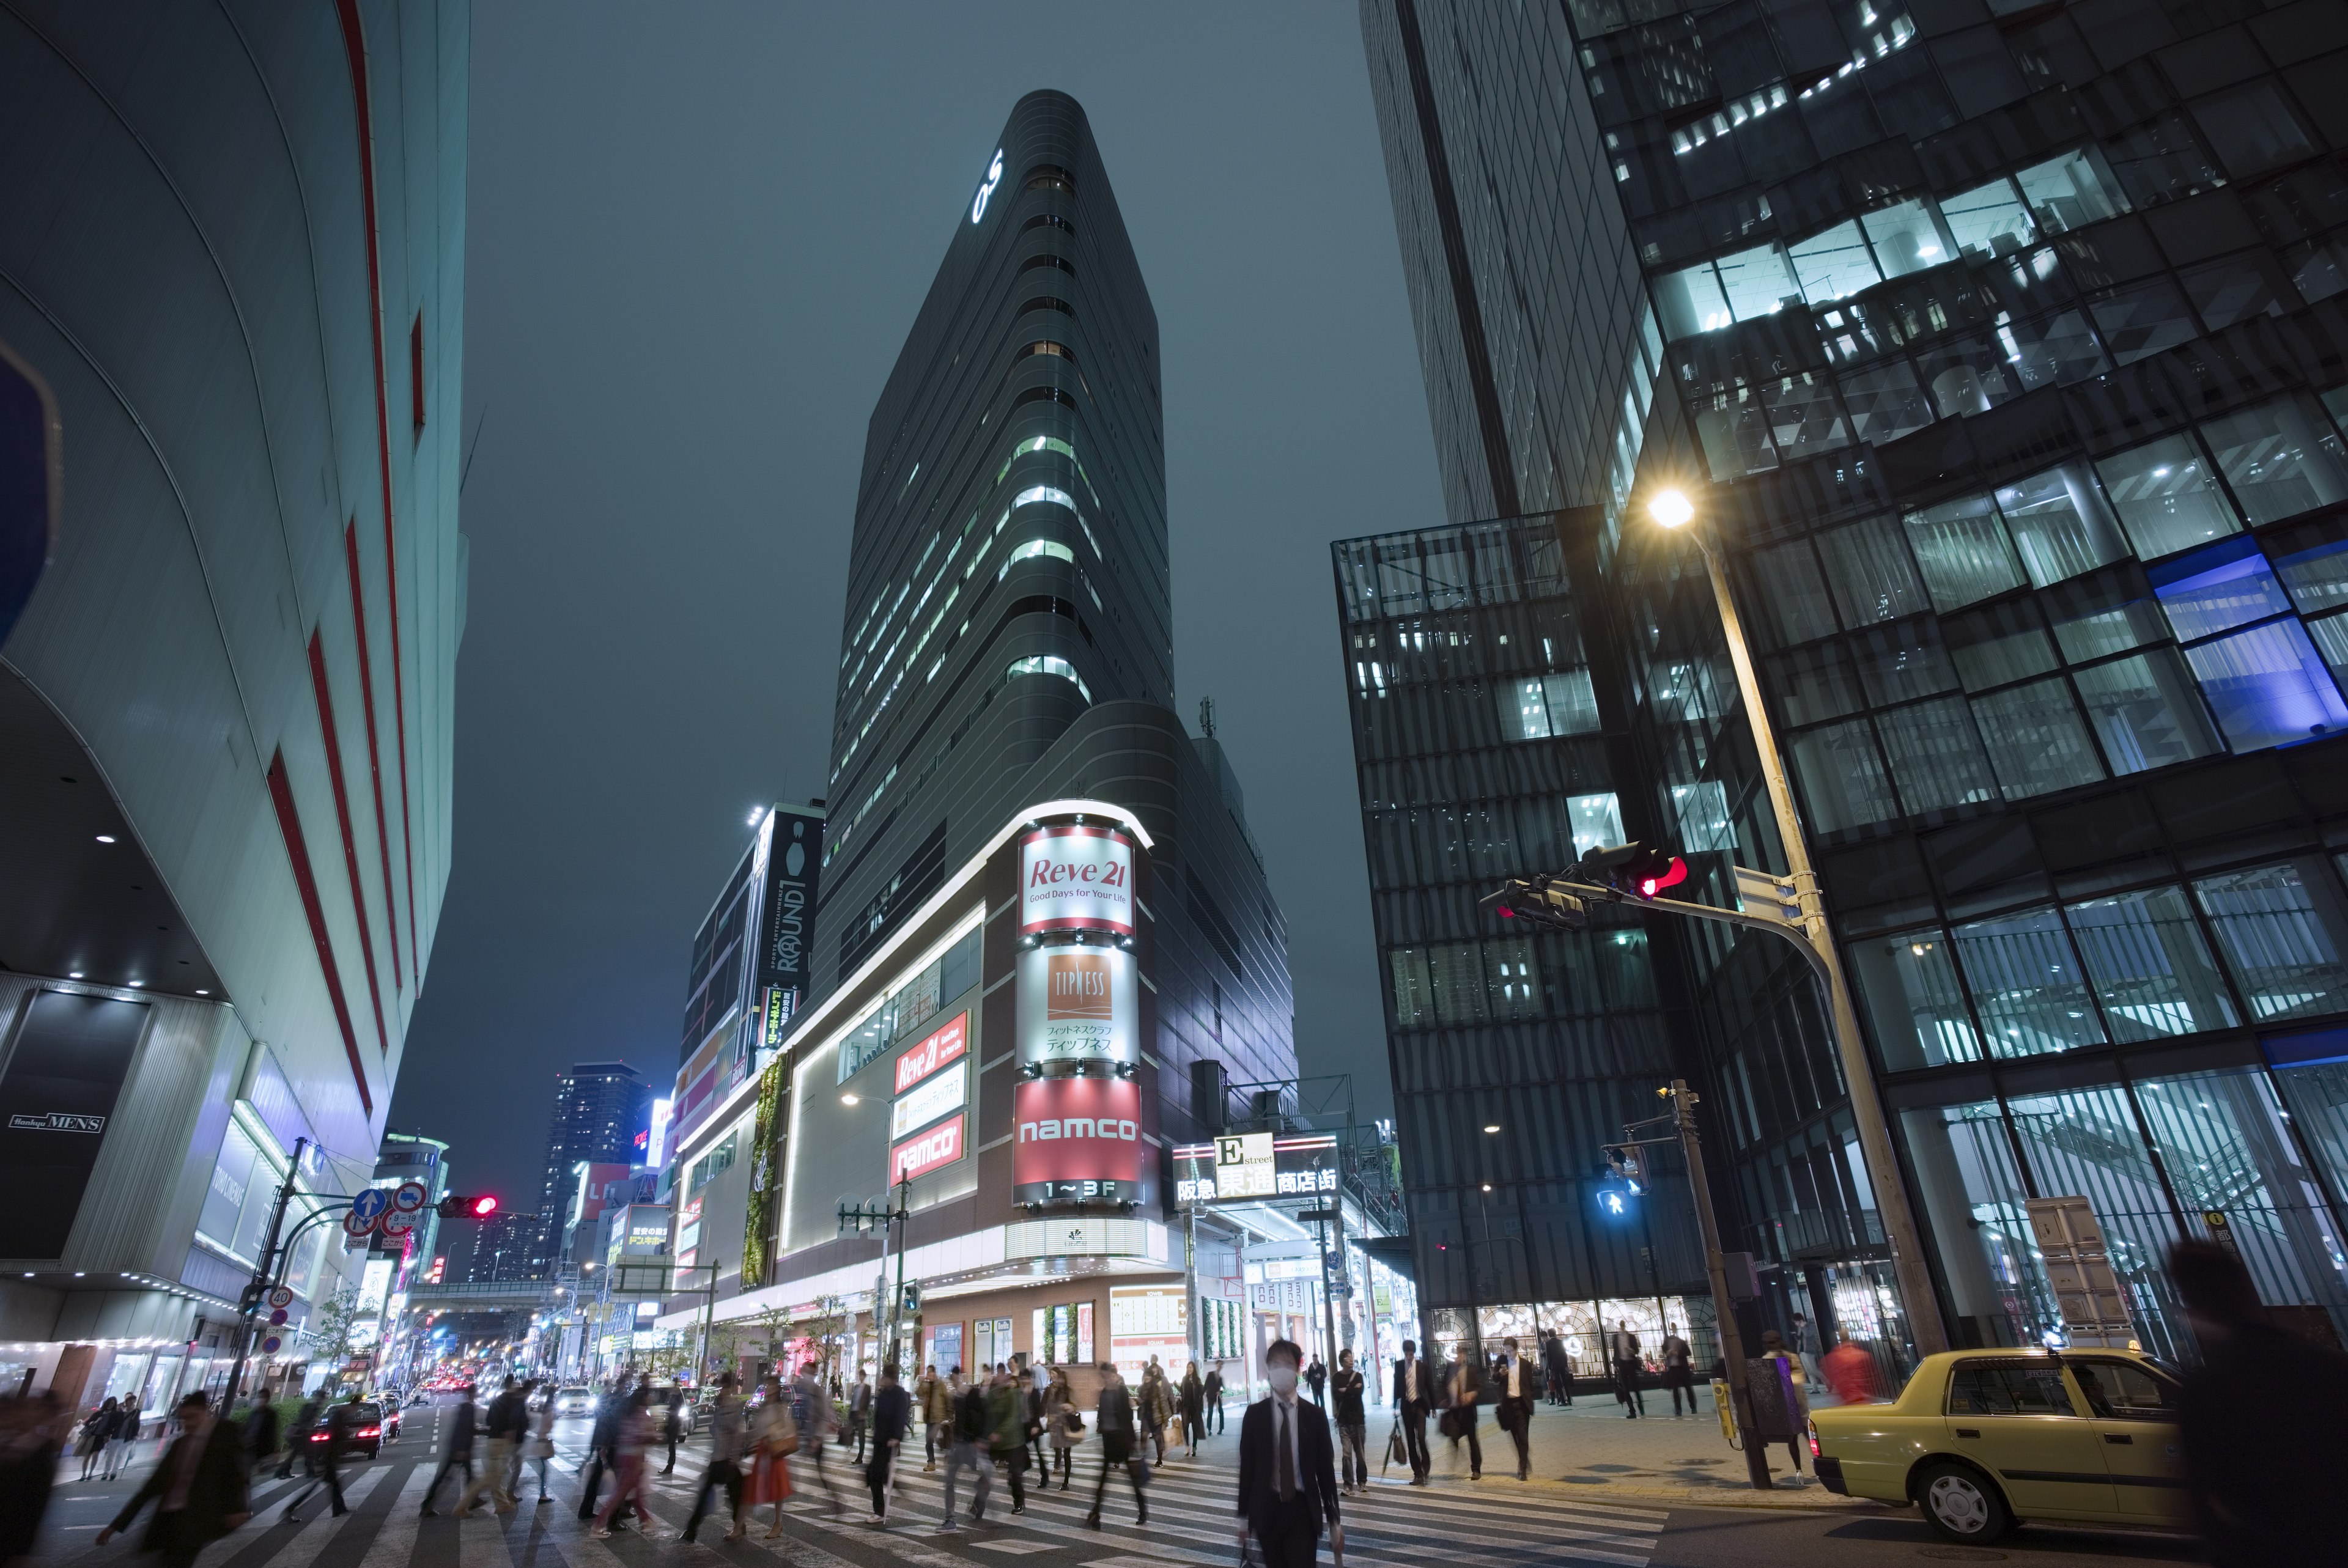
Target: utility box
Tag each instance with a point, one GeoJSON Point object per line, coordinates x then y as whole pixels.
{"type": "Point", "coordinates": [2092, 1301]}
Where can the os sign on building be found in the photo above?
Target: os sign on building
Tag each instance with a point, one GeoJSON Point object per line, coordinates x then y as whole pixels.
{"type": "Point", "coordinates": [1076, 880]}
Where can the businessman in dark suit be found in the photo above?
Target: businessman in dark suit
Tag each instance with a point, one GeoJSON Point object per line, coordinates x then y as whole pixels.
{"type": "Point", "coordinates": [1413, 1394]}
{"type": "Point", "coordinates": [1288, 1472]}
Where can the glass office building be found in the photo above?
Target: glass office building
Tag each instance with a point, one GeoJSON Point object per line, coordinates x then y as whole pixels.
{"type": "Point", "coordinates": [2004, 348]}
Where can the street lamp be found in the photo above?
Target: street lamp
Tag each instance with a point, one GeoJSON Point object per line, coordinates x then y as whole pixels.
{"type": "Point", "coordinates": [1671, 508]}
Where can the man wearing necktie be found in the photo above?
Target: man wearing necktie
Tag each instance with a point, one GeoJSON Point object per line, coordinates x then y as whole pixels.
{"type": "Point", "coordinates": [1288, 1476]}
{"type": "Point", "coordinates": [1413, 1392]}
{"type": "Point", "coordinates": [1519, 1385]}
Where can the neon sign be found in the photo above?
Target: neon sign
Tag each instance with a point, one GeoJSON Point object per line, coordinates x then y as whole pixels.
{"type": "Point", "coordinates": [993, 177]}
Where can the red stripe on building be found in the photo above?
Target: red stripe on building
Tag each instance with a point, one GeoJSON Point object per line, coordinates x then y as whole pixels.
{"type": "Point", "coordinates": [350, 841]}
{"type": "Point", "coordinates": [354, 47]}
{"type": "Point", "coordinates": [281, 795]}
{"type": "Point", "coordinates": [375, 756]}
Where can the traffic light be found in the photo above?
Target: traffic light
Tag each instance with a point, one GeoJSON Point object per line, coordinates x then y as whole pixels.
{"type": "Point", "coordinates": [1624, 1164]}
{"type": "Point", "coordinates": [457, 1207]}
{"type": "Point", "coordinates": [1633, 868]}
{"type": "Point", "coordinates": [913, 1299]}
{"type": "Point", "coordinates": [1540, 901]}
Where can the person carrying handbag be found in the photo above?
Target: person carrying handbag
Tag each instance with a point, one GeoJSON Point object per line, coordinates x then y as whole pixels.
{"type": "Point", "coordinates": [774, 1438]}
{"type": "Point", "coordinates": [1066, 1424]}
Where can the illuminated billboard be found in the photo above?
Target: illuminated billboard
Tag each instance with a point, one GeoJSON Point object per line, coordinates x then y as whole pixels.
{"type": "Point", "coordinates": [925, 1152]}
{"type": "Point", "coordinates": [1080, 1140]}
{"type": "Point", "coordinates": [1076, 880]}
{"type": "Point", "coordinates": [943, 1047]}
{"type": "Point", "coordinates": [1246, 1167]}
{"type": "Point", "coordinates": [1079, 1003]}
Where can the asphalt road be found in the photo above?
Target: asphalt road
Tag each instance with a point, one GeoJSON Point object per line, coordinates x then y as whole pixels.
{"type": "Point", "coordinates": [1498, 1522]}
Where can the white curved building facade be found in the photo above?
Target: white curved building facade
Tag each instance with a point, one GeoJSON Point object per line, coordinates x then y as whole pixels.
{"type": "Point", "coordinates": [231, 242]}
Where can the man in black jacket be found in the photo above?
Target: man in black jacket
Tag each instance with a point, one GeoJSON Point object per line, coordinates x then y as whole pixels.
{"type": "Point", "coordinates": [341, 1420]}
{"type": "Point", "coordinates": [1214, 1386]}
{"type": "Point", "coordinates": [465, 1424]}
{"type": "Point", "coordinates": [891, 1418]}
{"type": "Point", "coordinates": [1288, 1482]}
{"type": "Point", "coordinates": [1518, 1382]}
{"type": "Point", "coordinates": [507, 1424]}
{"type": "Point", "coordinates": [199, 1490]}
{"type": "Point", "coordinates": [1120, 1439]}
{"type": "Point", "coordinates": [1561, 1370]}
{"type": "Point", "coordinates": [1413, 1394]}
{"type": "Point", "coordinates": [1346, 1387]}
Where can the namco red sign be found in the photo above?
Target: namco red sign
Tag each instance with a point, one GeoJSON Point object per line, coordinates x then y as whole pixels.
{"type": "Point", "coordinates": [1076, 880]}
{"type": "Point", "coordinates": [1077, 1137]}
{"type": "Point", "coordinates": [925, 1152]}
{"type": "Point", "coordinates": [941, 1049]}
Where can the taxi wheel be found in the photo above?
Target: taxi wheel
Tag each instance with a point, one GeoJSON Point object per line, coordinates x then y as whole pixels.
{"type": "Point", "coordinates": [1962, 1506]}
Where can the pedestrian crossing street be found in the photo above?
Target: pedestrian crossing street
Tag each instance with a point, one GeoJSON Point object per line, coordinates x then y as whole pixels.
{"type": "Point", "coordinates": [1191, 1522]}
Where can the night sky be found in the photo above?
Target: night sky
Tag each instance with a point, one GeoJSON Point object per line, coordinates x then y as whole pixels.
{"type": "Point", "coordinates": [698, 235]}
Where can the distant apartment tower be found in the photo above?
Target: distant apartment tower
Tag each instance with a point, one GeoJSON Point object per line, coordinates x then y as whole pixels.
{"type": "Point", "coordinates": [600, 1109]}
{"type": "Point", "coordinates": [753, 961]}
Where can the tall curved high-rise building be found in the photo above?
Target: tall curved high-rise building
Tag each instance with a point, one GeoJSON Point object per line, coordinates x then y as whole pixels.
{"type": "Point", "coordinates": [232, 244]}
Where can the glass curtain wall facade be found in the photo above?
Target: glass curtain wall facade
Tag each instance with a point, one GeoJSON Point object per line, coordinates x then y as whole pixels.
{"type": "Point", "coordinates": [1009, 567]}
{"type": "Point", "coordinates": [2006, 349]}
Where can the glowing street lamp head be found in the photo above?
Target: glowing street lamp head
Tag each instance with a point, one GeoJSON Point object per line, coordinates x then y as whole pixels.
{"type": "Point", "coordinates": [1671, 508]}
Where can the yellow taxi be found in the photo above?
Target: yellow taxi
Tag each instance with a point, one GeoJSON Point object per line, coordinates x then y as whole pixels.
{"type": "Point", "coordinates": [1980, 1439]}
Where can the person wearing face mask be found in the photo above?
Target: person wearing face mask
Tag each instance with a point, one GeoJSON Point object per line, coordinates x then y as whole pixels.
{"type": "Point", "coordinates": [1287, 1477]}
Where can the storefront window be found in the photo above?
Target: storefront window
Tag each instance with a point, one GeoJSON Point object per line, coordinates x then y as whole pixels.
{"type": "Point", "coordinates": [2085, 1143]}
{"type": "Point", "coordinates": [1972, 1198]}
{"type": "Point", "coordinates": [1908, 984]}
{"type": "Point", "coordinates": [2027, 983]}
{"type": "Point", "coordinates": [2150, 968]}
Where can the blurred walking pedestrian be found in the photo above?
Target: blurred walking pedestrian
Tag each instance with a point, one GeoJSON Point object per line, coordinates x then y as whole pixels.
{"type": "Point", "coordinates": [1119, 1444]}
{"type": "Point", "coordinates": [1622, 1349]}
{"type": "Point", "coordinates": [198, 1490]}
{"type": "Point", "coordinates": [30, 1432]}
{"type": "Point", "coordinates": [464, 1424]}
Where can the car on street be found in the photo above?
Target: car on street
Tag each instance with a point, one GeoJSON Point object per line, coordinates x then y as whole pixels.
{"type": "Point", "coordinates": [572, 1399]}
{"type": "Point", "coordinates": [365, 1430]}
{"type": "Point", "coordinates": [1984, 1440]}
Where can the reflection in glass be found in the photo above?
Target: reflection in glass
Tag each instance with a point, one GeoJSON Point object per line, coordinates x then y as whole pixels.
{"type": "Point", "coordinates": [2281, 459]}
{"type": "Point", "coordinates": [2237, 288]}
{"type": "Point", "coordinates": [2150, 967]}
{"type": "Point", "coordinates": [2086, 1143]}
{"type": "Point", "coordinates": [2218, 587]}
{"type": "Point", "coordinates": [2071, 191]}
{"type": "Point", "coordinates": [2143, 320]}
{"type": "Point", "coordinates": [1885, 403]}
{"type": "Point", "coordinates": [1960, 550]}
{"type": "Point", "coordinates": [1970, 376]}
{"type": "Point", "coordinates": [1868, 566]}
{"type": "Point", "coordinates": [1842, 778]}
{"type": "Point", "coordinates": [2330, 638]}
{"type": "Point", "coordinates": [2317, 1094]}
{"type": "Point", "coordinates": [2027, 984]}
{"type": "Point", "coordinates": [2313, 560]}
{"type": "Point", "coordinates": [1812, 685]}
{"type": "Point", "coordinates": [1972, 1194]}
{"type": "Point", "coordinates": [1690, 303]}
{"type": "Point", "coordinates": [1757, 282]}
{"type": "Point", "coordinates": [2036, 740]}
{"type": "Point", "coordinates": [1909, 987]}
{"type": "Point", "coordinates": [2223, 1140]}
{"type": "Point", "coordinates": [2282, 937]}
{"type": "Point", "coordinates": [2165, 497]}
{"type": "Point", "coordinates": [1906, 238]}
{"type": "Point", "coordinates": [1833, 264]}
{"type": "Point", "coordinates": [1997, 644]}
{"type": "Point", "coordinates": [1896, 662]}
{"type": "Point", "coordinates": [1988, 220]}
{"type": "Point", "coordinates": [1791, 593]}
{"type": "Point", "coordinates": [2052, 351]}
{"type": "Point", "coordinates": [1936, 755]}
{"type": "Point", "coordinates": [2146, 712]}
{"type": "Point", "coordinates": [2060, 524]}
{"type": "Point", "coordinates": [2267, 686]}
{"type": "Point", "coordinates": [1804, 415]}
{"type": "Point", "coordinates": [1597, 821]}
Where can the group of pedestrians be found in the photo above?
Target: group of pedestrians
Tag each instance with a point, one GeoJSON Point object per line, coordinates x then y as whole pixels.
{"type": "Point", "coordinates": [105, 1439]}
{"type": "Point", "coordinates": [517, 1429]}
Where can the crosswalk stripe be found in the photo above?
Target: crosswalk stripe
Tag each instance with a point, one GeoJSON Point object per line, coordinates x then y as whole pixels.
{"type": "Point", "coordinates": [395, 1543]}
{"type": "Point", "coordinates": [1523, 1509]}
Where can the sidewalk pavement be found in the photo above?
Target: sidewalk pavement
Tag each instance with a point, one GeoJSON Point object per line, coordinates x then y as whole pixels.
{"type": "Point", "coordinates": [1588, 1449]}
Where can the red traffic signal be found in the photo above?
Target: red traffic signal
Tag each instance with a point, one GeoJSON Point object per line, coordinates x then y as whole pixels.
{"type": "Point", "coordinates": [457, 1207]}
{"type": "Point", "coordinates": [484, 1207]}
{"type": "Point", "coordinates": [1633, 868]}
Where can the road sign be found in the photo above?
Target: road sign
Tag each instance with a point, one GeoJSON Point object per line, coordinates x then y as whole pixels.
{"type": "Point", "coordinates": [270, 1345]}
{"type": "Point", "coordinates": [282, 1297]}
{"type": "Point", "coordinates": [356, 1227]}
{"type": "Point", "coordinates": [277, 1317]}
{"type": "Point", "coordinates": [370, 1204]}
{"type": "Point", "coordinates": [397, 1222]}
{"type": "Point", "coordinates": [409, 1196]}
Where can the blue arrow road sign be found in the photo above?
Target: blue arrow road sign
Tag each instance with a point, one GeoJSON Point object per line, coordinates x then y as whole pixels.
{"type": "Point", "coordinates": [369, 1205]}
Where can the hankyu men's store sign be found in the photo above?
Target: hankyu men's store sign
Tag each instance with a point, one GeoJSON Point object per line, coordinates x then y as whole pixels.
{"type": "Point", "coordinates": [925, 1152]}
{"type": "Point", "coordinates": [1244, 1167]}
{"type": "Point", "coordinates": [946, 1046]}
{"type": "Point", "coordinates": [1079, 1139]}
{"type": "Point", "coordinates": [1076, 880]}
{"type": "Point", "coordinates": [1077, 1004]}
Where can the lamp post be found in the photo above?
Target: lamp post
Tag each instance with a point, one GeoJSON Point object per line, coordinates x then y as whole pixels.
{"type": "Point", "coordinates": [1673, 510]}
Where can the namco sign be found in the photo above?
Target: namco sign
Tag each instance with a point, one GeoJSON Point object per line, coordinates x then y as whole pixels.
{"type": "Point", "coordinates": [916, 1156]}
{"type": "Point", "coordinates": [1076, 880]}
{"type": "Point", "coordinates": [1077, 1137]}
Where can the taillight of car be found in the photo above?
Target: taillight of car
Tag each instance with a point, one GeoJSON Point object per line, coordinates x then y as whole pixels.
{"type": "Point", "coordinates": [376, 1431]}
{"type": "Point", "coordinates": [1813, 1440]}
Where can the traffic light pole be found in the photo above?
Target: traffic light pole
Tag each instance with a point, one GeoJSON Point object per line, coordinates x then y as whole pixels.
{"type": "Point", "coordinates": [1731, 1342]}
{"type": "Point", "coordinates": [1916, 1291]}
